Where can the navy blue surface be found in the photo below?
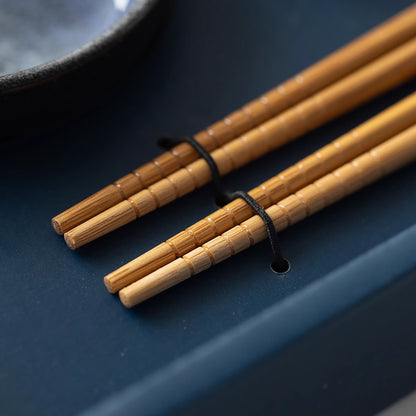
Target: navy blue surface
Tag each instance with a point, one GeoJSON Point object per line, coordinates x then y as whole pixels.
{"type": "Point", "coordinates": [65, 342]}
{"type": "Point", "coordinates": [224, 376]}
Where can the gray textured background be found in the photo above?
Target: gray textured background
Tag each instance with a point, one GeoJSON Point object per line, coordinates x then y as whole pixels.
{"type": "Point", "coordinates": [36, 31]}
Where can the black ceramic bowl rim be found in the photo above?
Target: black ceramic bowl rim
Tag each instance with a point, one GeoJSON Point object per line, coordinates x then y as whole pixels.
{"type": "Point", "coordinates": [53, 69]}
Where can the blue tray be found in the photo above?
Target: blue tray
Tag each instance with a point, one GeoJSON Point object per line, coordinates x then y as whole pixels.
{"type": "Point", "coordinates": [334, 336]}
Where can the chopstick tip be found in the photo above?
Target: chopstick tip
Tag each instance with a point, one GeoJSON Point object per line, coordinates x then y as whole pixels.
{"type": "Point", "coordinates": [109, 285]}
{"type": "Point", "coordinates": [57, 226]}
{"type": "Point", "coordinates": [125, 299]}
{"type": "Point", "coordinates": [70, 241]}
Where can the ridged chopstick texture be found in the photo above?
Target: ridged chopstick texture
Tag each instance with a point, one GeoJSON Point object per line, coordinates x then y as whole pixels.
{"type": "Point", "coordinates": [362, 171]}
{"type": "Point", "coordinates": [379, 76]}
{"type": "Point", "coordinates": [362, 138]}
{"type": "Point", "coordinates": [366, 48]}
{"type": "Point", "coordinates": [371, 65]}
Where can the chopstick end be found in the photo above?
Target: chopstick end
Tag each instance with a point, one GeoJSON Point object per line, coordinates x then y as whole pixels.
{"type": "Point", "coordinates": [57, 226]}
{"type": "Point", "coordinates": [125, 299]}
{"type": "Point", "coordinates": [108, 284]}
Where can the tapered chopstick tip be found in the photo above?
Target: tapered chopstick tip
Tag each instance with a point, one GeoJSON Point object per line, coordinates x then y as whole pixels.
{"type": "Point", "coordinates": [108, 284]}
{"type": "Point", "coordinates": [70, 241]}
{"type": "Point", "coordinates": [125, 299]}
{"type": "Point", "coordinates": [57, 225]}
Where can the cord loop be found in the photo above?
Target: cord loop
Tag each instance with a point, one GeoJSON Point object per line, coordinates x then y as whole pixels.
{"type": "Point", "coordinates": [223, 197]}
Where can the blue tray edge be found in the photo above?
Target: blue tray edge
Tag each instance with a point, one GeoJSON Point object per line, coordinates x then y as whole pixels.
{"type": "Point", "coordinates": [266, 333]}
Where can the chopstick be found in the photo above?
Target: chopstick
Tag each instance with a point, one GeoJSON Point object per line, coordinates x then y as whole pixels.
{"type": "Point", "coordinates": [362, 171]}
{"type": "Point", "coordinates": [369, 81]}
{"type": "Point", "coordinates": [362, 138]}
{"type": "Point", "coordinates": [369, 46]}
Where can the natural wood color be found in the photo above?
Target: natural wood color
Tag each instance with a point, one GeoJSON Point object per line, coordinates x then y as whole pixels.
{"type": "Point", "coordinates": [369, 46]}
{"type": "Point", "coordinates": [367, 135]}
{"type": "Point", "coordinates": [362, 171]}
{"type": "Point", "coordinates": [353, 90]}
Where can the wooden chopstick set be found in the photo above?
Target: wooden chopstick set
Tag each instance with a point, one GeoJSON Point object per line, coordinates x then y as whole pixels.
{"type": "Point", "coordinates": [374, 63]}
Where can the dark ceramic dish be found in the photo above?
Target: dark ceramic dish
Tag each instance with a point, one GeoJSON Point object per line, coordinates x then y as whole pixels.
{"type": "Point", "coordinates": [66, 54]}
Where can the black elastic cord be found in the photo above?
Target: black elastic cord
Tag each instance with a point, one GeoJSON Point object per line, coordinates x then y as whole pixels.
{"type": "Point", "coordinates": [279, 263]}
{"type": "Point", "coordinates": [223, 197]}
{"type": "Point", "coordinates": [220, 194]}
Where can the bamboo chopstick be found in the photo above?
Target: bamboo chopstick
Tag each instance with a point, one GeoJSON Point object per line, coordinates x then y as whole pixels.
{"type": "Point", "coordinates": [369, 46]}
{"type": "Point", "coordinates": [367, 135]}
{"type": "Point", "coordinates": [365, 169]}
{"type": "Point", "coordinates": [360, 86]}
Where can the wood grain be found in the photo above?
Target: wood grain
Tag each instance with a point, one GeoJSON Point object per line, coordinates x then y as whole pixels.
{"type": "Point", "coordinates": [367, 135]}
{"type": "Point", "coordinates": [365, 169]}
{"type": "Point", "coordinates": [373, 79]}
{"type": "Point", "coordinates": [371, 45]}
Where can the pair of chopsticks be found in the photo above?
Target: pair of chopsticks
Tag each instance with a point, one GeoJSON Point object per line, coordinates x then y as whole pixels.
{"type": "Point", "coordinates": [367, 67]}
{"type": "Point", "coordinates": [384, 144]}
{"type": "Point", "coordinates": [361, 139]}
